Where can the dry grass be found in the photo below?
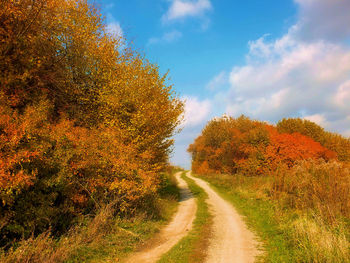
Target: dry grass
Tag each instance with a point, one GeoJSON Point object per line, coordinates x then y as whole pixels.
{"type": "Point", "coordinates": [311, 204]}
{"type": "Point", "coordinates": [317, 185]}
{"type": "Point", "coordinates": [321, 189]}
{"type": "Point", "coordinates": [102, 238]}
{"type": "Point", "coordinates": [319, 243]}
{"type": "Point", "coordinates": [45, 248]}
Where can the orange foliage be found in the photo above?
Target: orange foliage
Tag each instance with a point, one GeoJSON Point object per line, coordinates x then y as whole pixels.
{"type": "Point", "coordinates": [228, 145]}
{"type": "Point", "coordinates": [335, 142]}
{"type": "Point", "coordinates": [84, 119]}
{"type": "Point", "coordinates": [15, 155]}
{"type": "Point", "coordinates": [289, 148]}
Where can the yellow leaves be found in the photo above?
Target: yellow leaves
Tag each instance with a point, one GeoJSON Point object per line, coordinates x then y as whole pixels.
{"type": "Point", "coordinates": [88, 110]}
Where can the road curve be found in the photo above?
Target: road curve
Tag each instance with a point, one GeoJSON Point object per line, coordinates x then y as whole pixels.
{"type": "Point", "coordinates": [173, 232]}
{"type": "Point", "coordinates": [231, 241]}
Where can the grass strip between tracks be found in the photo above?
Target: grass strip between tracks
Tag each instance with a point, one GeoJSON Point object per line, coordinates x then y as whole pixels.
{"type": "Point", "coordinates": [193, 247]}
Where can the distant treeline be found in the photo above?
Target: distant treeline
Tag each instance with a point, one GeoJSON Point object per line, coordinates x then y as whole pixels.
{"type": "Point", "coordinates": [231, 145]}
{"type": "Point", "coordinates": [84, 119]}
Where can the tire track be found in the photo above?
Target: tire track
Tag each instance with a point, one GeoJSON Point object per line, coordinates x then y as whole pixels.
{"type": "Point", "coordinates": [231, 242]}
{"type": "Point", "coordinates": [180, 225]}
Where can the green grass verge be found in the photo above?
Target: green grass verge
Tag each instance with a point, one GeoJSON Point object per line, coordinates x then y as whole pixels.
{"type": "Point", "coordinates": [260, 216]}
{"type": "Point", "coordinates": [127, 234]}
{"type": "Point", "coordinates": [193, 247]}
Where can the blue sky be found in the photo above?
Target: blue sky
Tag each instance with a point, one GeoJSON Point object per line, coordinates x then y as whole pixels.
{"type": "Point", "coordinates": [266, 59]}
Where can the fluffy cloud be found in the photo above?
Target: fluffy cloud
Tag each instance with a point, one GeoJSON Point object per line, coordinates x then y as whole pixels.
{"type": "Point", "coordinates": [115, 29]}
{"type": "Point", "coordinates": [168, 37]}
{"type": "Point", "coordinates": [290, 78]}
{"type": "Point", "coordinates": [182, 141]}
{"type": "Point", "coordinates": [180, 9]}
{"type": "Point", "coordinates": [320, 119]}
{"type": "Point", "coordinates": [296, 77]}
{"type": "Point", "coordinates": [196, 111]}
{"type": "Point", "coordinates": [218, 81]}
{"type": "Point", "coordinates": [342, 97]}
{"type": "Point", "coordinates": [323, 19]}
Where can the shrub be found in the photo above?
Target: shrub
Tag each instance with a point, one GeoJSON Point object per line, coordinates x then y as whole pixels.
{"type": "Point", "coordinates": [229, 145]}
{"type": "Point", "coordinates": [84, 119]}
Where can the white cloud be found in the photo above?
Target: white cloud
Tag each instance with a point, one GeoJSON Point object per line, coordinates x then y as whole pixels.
{"type": "Point", "coordinates": [182, 141]}
{"type": "Point", "coordinates": [218, 81]}
{"type": "Point", "coordinates": [168, 37]}
{"type": "Point", "coordinates": [180, 9]}
{"type": "Point", "coordinates": [319, 119]}
{"type": "Point", "coordinates": [113, 26]}
{"type": "Point", "coordinates": [295, 78]}
{"type": "Point", "coordinates": [196, 114]}
{"type": "Point", "coordinates": [292, 77]}
{"type": "Point", "coordinates": [196, 111]}
{"type": "Point", "coordinates": [259, 47]}
{"type": "Point", "coordinates": [342, 96]}
{"type": "Point", "coordinates": [115, 29]}
{"type": "Point", "coordinates": [323, 19]}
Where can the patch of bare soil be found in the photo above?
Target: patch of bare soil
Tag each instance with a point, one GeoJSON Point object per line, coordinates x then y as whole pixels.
{"type": "Point", "coordinates": [179, 226]}
{"type": "Point", "coordinates": [231, 240]}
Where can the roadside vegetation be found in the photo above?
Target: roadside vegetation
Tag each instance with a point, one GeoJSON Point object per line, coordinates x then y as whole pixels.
{"type": "Point", "coordinates": [292, 181]}
{"type": "Point", "coordinates": [105, 237]}
{"type": "Point", "coordinates": [193, 247]}
{"type": "Point", "coordinates": [85, 133]}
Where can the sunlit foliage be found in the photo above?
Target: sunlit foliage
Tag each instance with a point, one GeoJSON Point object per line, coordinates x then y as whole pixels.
{"type": "Point", "coordinates": [84, 119]}
{"type": "Point", "coordinates": [332, 141]}
{"type": "Point", "coordinates": [229, 145]}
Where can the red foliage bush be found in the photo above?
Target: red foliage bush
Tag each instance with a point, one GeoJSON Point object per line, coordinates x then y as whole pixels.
{"type": "Point", "coordinates": [229, 145]}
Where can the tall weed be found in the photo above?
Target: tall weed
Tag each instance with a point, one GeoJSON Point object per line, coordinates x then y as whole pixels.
{"type": "Point", "coordinates": [320, 243]}
{"type": "Point", "coordinates": [317, 185]}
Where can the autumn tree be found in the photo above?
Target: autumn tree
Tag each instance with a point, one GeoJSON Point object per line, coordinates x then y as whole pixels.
{"type": "Point", "coordinates": [229, 145]}
{"type": "Point", "coordinates": [84, 119]}
{"type": "Point", "coordinates": [289, 148]}
{"type": "Point", "coordinates": [226, 141]}
{"type": "Point", "coordinates": [332, 141]}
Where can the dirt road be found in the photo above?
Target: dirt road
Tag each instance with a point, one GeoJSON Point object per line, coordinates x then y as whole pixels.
{"type": "Point", "coordinates": [172, 233]}
{"type": "Point", "coordinates": [231, 242]}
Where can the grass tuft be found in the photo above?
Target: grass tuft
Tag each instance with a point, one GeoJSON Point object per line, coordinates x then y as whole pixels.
{"type": "Point", "coordinates": [193, 247]}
